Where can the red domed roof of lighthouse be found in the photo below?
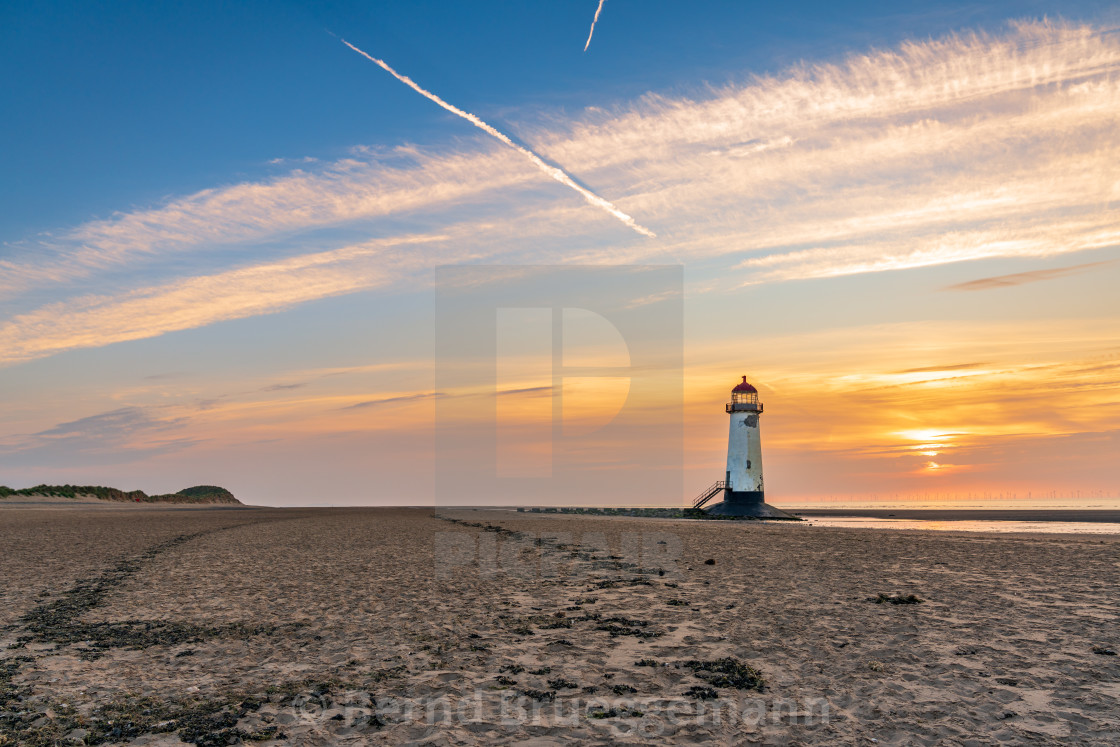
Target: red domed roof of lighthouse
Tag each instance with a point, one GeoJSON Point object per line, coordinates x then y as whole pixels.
{"type": "Point", "coordinates": [744, 387]}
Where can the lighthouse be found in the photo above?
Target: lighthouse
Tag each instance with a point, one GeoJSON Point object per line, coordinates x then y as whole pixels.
{"type": "Point", "coordinates": [744, 446]}
{"type": "Point", "coordinates": [742, 487]}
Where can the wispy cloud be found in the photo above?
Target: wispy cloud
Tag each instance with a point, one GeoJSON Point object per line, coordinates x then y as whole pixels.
{"type": "Point", "coordinates": [90, 321]}
{"type": "Point", "coordinates": [165, 376]}
{"type": "Point", "coordinates": [113, 425]}
{"type": "Point", "coordinates": [120, 435]}
{"type": "Point", "coordinates": [392, 400]}
{"type": "Point", "coordinates": [243, 214]}
{"type": "Point", "coordinates": [554, 172]}
{"type": "Point", "coordinates": [967, 147]}
{"type": "Point", "coordinates": [594, 21]}
{"type": "Point", "coordinates": [1021, 278]}
{"type": "Point", "coordinates": [750, 147]}
{"type": "Point", "coordinates": [524, 390]}
{"type": "Point", "coordinates": [941, 151]}
{"type": "Point", "coordinates": [937, 369]}
{"type": "Point", "coordinates": [284, 387]}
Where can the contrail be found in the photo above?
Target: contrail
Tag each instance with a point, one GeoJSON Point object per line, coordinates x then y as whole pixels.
{"type": "Point", "coordinates": [556, 173]}
{"type": "Point", "coordinates": [594, 21]}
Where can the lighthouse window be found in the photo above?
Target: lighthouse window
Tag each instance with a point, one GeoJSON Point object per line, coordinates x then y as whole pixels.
{"type": "Point", "coordinates": [748, 464]}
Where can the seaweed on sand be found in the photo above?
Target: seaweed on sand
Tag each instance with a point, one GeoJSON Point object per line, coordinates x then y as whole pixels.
{"type": "Point", "coordinates": [727, 672]}
{"type": "Point", "coordinates": [882, 598]}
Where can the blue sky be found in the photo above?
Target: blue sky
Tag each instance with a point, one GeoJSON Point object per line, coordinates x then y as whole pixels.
{"type": "Point", "coordinates": [220, 223]}
{"type": "Point", "coordinates": [116, 104]}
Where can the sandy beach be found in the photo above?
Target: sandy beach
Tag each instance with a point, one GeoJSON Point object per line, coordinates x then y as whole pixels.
{"type": "Point", "coordinates": [351, 626]}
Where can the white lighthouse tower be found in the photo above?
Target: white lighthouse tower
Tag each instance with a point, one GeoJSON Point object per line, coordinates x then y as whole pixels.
{"type": "Point", "coordinates": [744, 446]}
{"type": "Point", "coordinates": [742, 486]}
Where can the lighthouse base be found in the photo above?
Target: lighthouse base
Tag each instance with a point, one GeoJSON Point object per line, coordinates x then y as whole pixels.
{"type": "Point", "coordinates": [747, 504]}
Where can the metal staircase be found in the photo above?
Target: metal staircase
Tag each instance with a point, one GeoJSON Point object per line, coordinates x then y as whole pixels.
{"type": "Point", "coordinates": [710, 493]}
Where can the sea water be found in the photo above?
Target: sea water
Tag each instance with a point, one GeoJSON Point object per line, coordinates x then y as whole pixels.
{"type": "Point", "coordinates": [966, 525]}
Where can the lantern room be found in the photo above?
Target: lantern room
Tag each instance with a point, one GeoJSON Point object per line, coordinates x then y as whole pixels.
{"type": "Point", "coordinates": [744, 397]}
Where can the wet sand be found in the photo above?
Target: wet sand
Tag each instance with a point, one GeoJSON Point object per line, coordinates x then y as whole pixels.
{"type": "Point", "coordinates": [358, 626]}
{"type": "Point", "coordinates": [1110, 516]}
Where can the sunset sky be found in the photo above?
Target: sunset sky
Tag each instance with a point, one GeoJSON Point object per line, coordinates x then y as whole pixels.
{"type": "Point", "coordinates": [221, 225]}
